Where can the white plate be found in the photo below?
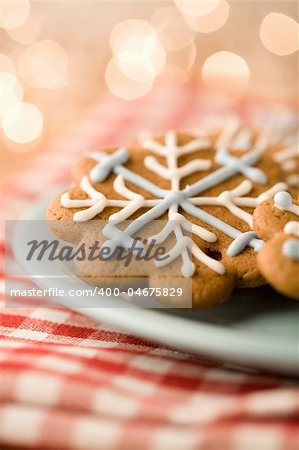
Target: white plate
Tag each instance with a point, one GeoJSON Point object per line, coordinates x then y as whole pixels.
{"type": "Point", "coordinates": [257, 328]}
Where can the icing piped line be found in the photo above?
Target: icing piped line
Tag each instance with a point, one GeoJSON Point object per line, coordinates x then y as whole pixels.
{"type": "Point", "coordinates": [286, 153]}
{"type": "Point", "coordinates": [232, 199]}
{"type": "Point", "coordinates": [195, 145]}
{"type": "Point", "coordinates": [224, 158]}
{"type": "Point", "coordinates": [171, 199]}
{"type": "Point", "coordinates": [137, 200]}
{"type": "Point", "coordinates": [207, 260]}
{"type": "Point", "coordinates": [231, 168]}
{"type": "Point", "coordinates": [196, 165]}
{"type": "Point", "coordinates": [242, 241]}
{"type": "Point", "coordinates": [94, 204]}
{"type": "Point", "coordinates": [243, 140]}
{"type": "Point", "coordinates": [231, 128]}
{"type": "Point", "coordinates": [171, 152]}
{"type": "Point", "coordinates": [283, 200]}
{"type": "Point", "coordinates": [287, 161]}
{"type": "Point", "coordinates": [199, 231]}
{"type": "Point", "coordinates": [215, 222]}
{"type": "Point", "coordinates": [288, 165]}
{"type": "Point", "coordinates": [293, 180]}
{"type": "Point", "coordinates": [97, 202]}
{"type": "Point", "coordinates": [107, 163]}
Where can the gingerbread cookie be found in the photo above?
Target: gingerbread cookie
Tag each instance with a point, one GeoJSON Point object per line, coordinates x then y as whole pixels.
{"type": "Point", "coordinates": [276, 221]}
{"type": "Point", "coordinates": [288, 158]}
{"type": "Point", "coordinates": [277, 130]}
{"type": "Point", "coordinates": [179, 179]}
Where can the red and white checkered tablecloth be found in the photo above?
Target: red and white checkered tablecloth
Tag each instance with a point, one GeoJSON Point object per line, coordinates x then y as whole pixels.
{"type": "Point", "coordinates": [68, 382]}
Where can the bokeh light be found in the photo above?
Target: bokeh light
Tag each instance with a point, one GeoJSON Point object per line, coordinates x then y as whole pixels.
{"type": "Point", "coordinates": [123, 87]}
{"type": "Point", "coordinates": [29, 31]}
{"type": "Point", "coordinates": [137, 50]}
{"type": "Point", "coordinates": [196, 8]}
{"type": "Point", "coordinates": [171, 28]}
{"type": "Point", "coordinates": [13, 13]}
{"type": "Point", "coordinates": [11, 91]}
{"type": "Point", "coordinates": [183, 58]}
{"type": "Point", "coordinates": [126, 29]}
{"type": "Point", "coordinates": [172, 73]}
{"type": "Point", "coordinates": [6, 64]}
{"type": "Point", "coordinates": [226, 70]}
{"type": "Point", "coordinates": [213, 21]}
{"type": "Point", "coordinates": [22, 123]}
{"type": "Point", "coordinates": [44, 65]}
{"type": "Point", "coordinates": [280, 34]}
{"type": "Point", "coordinates": [141, 57]}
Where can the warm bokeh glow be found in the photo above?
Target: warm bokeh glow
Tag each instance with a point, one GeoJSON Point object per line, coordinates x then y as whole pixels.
{"type": "Point", "coordinates": [171, 29]}
{"type": "Point", "coordinates": [196, 8]}
{"type": "Point", "coordinates": [226, 70]}
{"type": "Point", "coordinates": [13, 13]}
{"type": "Point", "coordinates": [6, 64]}
{"type": "Point", "coordinates": [174, 74]}
{"type": "Point", "coordinates": [138, 59]}
{"type": "Point", "coordinates": [44, 65]}
{"type": "Point", "coordinates": [28, 32]}
{"type": "Point", "coordinates": [7, 99]}
{"type": "Point", "coordinates": [183, 58]}
{"type": "Point", "coordinates": [141, 57]}
{"type": "Point", "coordinates": [22, 123]}
{"type": "Point", "coordinates": [123, 87]}
{"type": "Point", "coordinates": [280, 34]}
{"type": "Point", "coordinates": [126, 29]}
{"type": "Point", "coordinates": [212, 21]}
{"type": "Point", "coordinates": [11, 92]}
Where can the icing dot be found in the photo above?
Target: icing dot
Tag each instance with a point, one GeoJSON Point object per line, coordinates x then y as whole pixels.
{"type": "Point", "coordinates": [292, 228]}
{"type": "Point", "coordinates": [291, 249]}
{"type": "Point", "coordinates": [283, 199]}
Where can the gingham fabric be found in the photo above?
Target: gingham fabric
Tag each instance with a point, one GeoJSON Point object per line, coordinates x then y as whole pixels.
{"type": "Point", "coordinates": [68, 382]}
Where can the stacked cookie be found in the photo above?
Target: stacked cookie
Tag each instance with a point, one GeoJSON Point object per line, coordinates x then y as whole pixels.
{"type": "Point", "coordinates": [229, 216]}
{"type": "Point", "coordinates": [276, 221]}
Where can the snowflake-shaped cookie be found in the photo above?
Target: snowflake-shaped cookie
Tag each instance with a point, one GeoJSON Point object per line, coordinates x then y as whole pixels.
{"type": "Point", "coordinates": [180, 179]}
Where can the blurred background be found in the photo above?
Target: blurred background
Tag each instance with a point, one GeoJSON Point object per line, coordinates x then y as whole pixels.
{"type": "Point", "coordinates": [58, 58]}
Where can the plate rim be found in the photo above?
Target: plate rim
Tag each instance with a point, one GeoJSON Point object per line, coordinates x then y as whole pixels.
{"type": "Point", "coordinates": [245, 349]}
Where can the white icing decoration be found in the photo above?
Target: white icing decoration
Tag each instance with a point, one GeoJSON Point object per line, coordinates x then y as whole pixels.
{"type": "Point", "coordinates": [97, 202]}
{"type": "Point", "coordinates": [233, 199]}
{"type": "Point", "coordinates": [239, 137]}
{"type": "Point", "coordinates": [290, 249]}
{"type": "Point", "coordinates": [171, 151]}
{"type": "Point", "coordinates": [278, 125]}
{"type": "Point", "coordinates": [197, 164]}
{"type": "Point", "coordinates": [286, 153]}
{"type": "Point", "coordinates": [292, 228]}
{"type": "Point", "coordinates": [94, 204]}
{"type": "Point", "coordinates": [243, 140]}
{"type": "Point", "coordinates": [287, 162]}
{"type": "Point", "coordinates": [284, 201]}
{"type": "Point", "coordinates": [274, 128]}
{"type": "Point", "coordinates": [243, 166]}
{"type": "Point", "coordinates": [169, 200]}
{"type": "Point", "coordinates": [288, 165]}
{"type": "Point", "coordinates": [293, 180]}
{"type": "Point", "coordinates": [199, 231]}
{"type": "Point", "coordinates": [241, 242]}
{"type": "Point", "coordinates": [231, 127]}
